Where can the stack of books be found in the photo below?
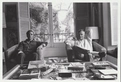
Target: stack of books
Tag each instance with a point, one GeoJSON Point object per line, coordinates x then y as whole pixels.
{"type": "Point", "coordinates": [29, 74]}
{"type": "Point", "coordinates": [33, 70]}
{"type": "Point", "coordinates": [102, 70]}
{"type": "Point", "coordinates": [76, 67]}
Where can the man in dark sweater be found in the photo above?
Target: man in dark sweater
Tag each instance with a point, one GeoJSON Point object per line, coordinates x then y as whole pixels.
{"type": "Point", "coordinates": [30, 49]}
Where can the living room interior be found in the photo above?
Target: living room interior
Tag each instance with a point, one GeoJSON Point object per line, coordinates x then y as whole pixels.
{"type": "Point", "coordinates": [54, 22]}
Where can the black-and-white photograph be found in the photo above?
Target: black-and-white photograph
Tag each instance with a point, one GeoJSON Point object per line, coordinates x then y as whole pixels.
{"type": "Point", "coordinates": [60, 40]}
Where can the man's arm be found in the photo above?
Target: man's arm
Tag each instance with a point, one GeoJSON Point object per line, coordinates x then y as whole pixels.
{"type": "Point", "coordinates": [39, 50]}
{"type": "Point", "coordinates": [88, 34]}
{"type": "Point", "coordinates": [71, 41]}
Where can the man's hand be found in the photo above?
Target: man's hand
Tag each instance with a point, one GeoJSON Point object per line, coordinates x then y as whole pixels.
{"type": "Point", "coordinates": [94, 53]}
{"type": "Point", "coordinates": [20, 52]}
{"type": "Point", "coordinates": [41, 46]}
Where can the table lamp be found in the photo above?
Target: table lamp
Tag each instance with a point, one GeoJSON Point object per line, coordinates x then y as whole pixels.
{"type": "Point", "coordinates": [93, 32]}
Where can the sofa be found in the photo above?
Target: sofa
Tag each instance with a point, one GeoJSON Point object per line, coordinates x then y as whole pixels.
{"type": "Point", "coordinates": [112, 54]}
{"type": "Point", "coordinates": [96, 47]}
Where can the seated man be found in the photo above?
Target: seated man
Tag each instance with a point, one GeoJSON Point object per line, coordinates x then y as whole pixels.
{"type": "Point", "coordinates": [27, 50]}
{"type": "Point", "coordinates": [82, 45]}
{"type": "Point", "coordinates": [82, 48]}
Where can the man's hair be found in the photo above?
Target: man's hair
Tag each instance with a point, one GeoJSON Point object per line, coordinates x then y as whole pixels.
{"type": "Point", "coordinates": [29, 32]}
{"type": "Point", "coordinates": [81, 30]}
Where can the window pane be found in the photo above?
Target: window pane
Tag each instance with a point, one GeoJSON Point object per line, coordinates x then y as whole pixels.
{"type": "Point", "coordinates": [114, 23]}
{"type": "Point", "coordinates": [63, 21]}
{"type": "Point", "coordinates": [39, 20]}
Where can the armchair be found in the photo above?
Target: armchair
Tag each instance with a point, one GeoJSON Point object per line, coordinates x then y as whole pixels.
{"type": "Point", "coordinates": [96, 47]}
{"type": "Point", "coordinates": [11, 56]}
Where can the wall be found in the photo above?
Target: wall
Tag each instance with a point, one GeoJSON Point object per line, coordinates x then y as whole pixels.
{"type": "Point", "coordinates": [23, 19]}
{"type": "Point", "coordinates": [82, 16]}
{"type": "Point", "coordinates": [10, 32]}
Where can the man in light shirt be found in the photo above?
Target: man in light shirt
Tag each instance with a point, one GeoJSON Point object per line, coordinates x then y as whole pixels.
{"type": "Point", "coordinates": [83, 44]}
{"type": "Point", "coordinates": [85, 40]}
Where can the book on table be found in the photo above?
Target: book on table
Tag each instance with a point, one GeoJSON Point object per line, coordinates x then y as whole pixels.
{"type": "Point", "coordinates": [101, 63]}
{"type": "Point", "coordinates": [36, 64]}
{"type": "Point", "coordinates": [105, 74]}
{"type": "Point", "coordinates": [29, 74]}
{"type": "Point", "coordinates": [76, 67]}
{"type": "Point", "coordinates": [33, 70]}
{"type": "Point", "coordinates": [108, 71]}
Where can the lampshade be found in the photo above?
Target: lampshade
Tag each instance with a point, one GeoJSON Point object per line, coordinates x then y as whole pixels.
{"type": "Point", "coordinates": [94, 32]}
{"type": "Point", "coordinates": [4, 21]}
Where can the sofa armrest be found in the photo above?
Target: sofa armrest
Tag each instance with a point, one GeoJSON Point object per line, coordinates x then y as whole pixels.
{"type": "Point", "coordinates": [113, 52]}
{"type": "Point", "coordinates": [102, 50]}
{"type": "Point", "coordinates": [9, 57]}
{"type": "Point", "coordinates": [98, 47]}
{"type": "Point", "coordinates": [9, 52]}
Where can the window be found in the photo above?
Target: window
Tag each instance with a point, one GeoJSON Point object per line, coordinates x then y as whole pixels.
{"type": "Point", "coordinates": [63, 23]}
{"type": "Point", "coordinates": [39, 20]}
{"type": "Point", "coordinates": [61, 26]}
{"type": "Point", "coordinates": [114, 23]}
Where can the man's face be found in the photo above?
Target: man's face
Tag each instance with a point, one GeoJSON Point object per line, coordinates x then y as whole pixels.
{"type": "Point", "coordinates": [30, 35]}
{"type": "Point", "coordinates": [82, 35]}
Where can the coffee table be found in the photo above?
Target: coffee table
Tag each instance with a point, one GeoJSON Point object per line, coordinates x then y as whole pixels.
{"type": "Point", "coordinates": [89, 73]}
